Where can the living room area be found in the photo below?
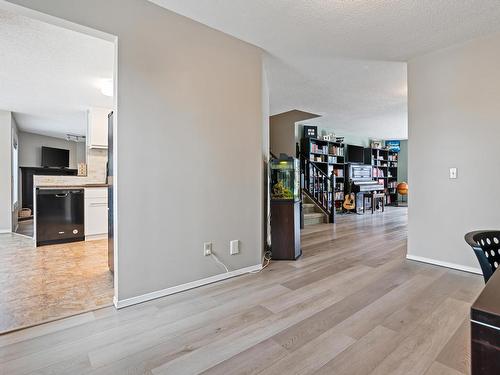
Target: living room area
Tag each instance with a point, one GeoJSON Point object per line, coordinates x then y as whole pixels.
{"type": "Point", "coordinates": [321, 163]}
{"type": "Point", "coordinates": [342, 172]}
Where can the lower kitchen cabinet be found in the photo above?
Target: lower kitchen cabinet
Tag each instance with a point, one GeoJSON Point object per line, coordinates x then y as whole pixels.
{"type": "Point", "coordinates": [96, 213]}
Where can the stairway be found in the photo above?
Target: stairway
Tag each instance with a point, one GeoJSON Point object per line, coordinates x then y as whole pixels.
{"type": "Point", "coordinates": [312, 213]}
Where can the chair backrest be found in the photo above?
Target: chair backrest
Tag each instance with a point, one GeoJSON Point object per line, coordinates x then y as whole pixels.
{"type": "Point", "coordinates": [486, 245]}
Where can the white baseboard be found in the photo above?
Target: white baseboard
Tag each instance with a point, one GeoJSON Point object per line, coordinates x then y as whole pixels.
{"type": "Point", "coordinates": [444, 264]}
{"type": "Point", "coordinates": [3, 231]}
{"type": "Point", "coordinates": [95, 237]}
{"type": "Point", "coordinates": [180, 288]}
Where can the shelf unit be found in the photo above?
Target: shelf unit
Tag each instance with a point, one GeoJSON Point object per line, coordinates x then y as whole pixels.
{"type": "Point", "coordinates": [385, 170]}
{"type": "Point", "coordinates": [329, 157]}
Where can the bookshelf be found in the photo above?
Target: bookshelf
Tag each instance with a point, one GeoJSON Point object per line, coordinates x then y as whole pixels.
{"type": "Point", "coordinates": [385, 170]}
{"type": "Point", "coordinates": [329, 157]}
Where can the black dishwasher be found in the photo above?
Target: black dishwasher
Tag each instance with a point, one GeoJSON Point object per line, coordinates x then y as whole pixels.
{"type": "Point", "coordinates": [59, 216]}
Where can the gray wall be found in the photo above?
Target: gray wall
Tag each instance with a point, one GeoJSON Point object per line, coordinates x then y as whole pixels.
{"type": "Point", "coordinates": [282, 131]}
{"type": "Point", "coordinates": [5, 171]}
{"type": "Point", "coordinates": [358, 140]}
{"type": "Point", "coordinates": [454, 121]}
{"type": "Point", "coordinates": [190, 115]}
{"type": "Point", "coordinates": [351, 139]}
{"type": "Point", "coordinates": [30, 149]}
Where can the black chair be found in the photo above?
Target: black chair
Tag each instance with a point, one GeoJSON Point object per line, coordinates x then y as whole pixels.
{"type": "Point", "coordinates": [486, 246]}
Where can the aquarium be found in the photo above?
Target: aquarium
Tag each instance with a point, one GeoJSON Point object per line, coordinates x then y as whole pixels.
{"type": "Point", "coordinates": [285, 178]}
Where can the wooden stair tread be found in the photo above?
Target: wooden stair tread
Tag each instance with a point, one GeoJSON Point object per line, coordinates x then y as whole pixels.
{"type": "Point", "coordinates": [313, 215]}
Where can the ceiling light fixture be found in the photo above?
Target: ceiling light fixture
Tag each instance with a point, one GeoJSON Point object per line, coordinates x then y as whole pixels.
{"type": "Point", "coordinates": [75, 138]}
{"type": "Point", "coordinates": [107, 87]}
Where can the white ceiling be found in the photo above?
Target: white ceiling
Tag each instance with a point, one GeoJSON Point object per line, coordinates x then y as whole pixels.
{"type": "Point", "coordinates": [345, 59]}
{"type": "Point", "coordinates": [49, 75]}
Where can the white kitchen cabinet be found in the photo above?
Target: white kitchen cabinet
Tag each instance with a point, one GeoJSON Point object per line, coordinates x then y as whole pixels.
{"type": "Point", "coordinates": [97, 127]}
{"type": "Point", "coordinates": [96, 213]}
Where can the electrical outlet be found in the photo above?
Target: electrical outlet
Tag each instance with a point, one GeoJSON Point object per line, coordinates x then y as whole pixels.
{"type": "Point", "coordinates": [207, 248]}
{"type": "Point", "coordinates": [453, 173]}
{"type": "Point", "coordinates": [234, 247]}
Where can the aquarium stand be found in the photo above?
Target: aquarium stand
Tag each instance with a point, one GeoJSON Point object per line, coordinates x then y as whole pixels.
{"type": "Point", "coordinates": [285, 229]}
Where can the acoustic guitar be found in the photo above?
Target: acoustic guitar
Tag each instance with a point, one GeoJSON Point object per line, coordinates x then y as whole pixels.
{"type": "Point", "coordinates": [349, 202]}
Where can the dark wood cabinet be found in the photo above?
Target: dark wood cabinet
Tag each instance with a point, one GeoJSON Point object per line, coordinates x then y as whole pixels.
{"type": "Point", "coordinates": [485, 350]}
{"type": "Point", "coordinates": [285, 230]}
{"type": "Point", "coordinates": [27, 174]}
{"type": "Point", "coordinates": [485, 329]}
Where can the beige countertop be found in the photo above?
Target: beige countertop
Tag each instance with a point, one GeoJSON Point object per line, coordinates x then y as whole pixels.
{"type": "Point", "coordinates": [71, 186]}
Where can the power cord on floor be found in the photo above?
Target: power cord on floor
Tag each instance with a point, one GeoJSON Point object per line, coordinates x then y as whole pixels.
{"type": "Point", "coordinates": [265, 260]}
{"type": "Point", "coordinates": [218, 261]}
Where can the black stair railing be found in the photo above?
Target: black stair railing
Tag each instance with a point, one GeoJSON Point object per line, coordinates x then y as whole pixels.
{"type": "Point", "coordinates": [318, 186]}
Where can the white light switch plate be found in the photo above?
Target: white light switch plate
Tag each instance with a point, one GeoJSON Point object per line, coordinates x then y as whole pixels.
{"type": "Point", "coordinates": [453, 173]}
{"type": "Point", "coordinates": [234, 247]}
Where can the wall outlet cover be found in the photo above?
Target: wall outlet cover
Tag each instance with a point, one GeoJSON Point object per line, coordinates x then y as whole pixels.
{"type": "Point", "coordinates": [234, 247]}
{"type": "Point", "coordinates": [207, 248]}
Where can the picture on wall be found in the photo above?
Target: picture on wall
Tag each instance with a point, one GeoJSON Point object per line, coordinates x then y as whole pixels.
{"type": "Point", "coordinates": [393, 145]}
{"type": "Point", "coordinates": [310, 131]}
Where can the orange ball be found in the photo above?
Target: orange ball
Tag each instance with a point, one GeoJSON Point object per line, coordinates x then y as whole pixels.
{"type": "Point", "coordinates": [402, 188]}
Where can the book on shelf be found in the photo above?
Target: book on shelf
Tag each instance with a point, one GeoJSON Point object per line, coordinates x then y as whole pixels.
{"type": "Point", "coordinates": [393, 157]}
{"type": "Point", "coordinates": [392, 184]}
{"type": "Point", "coordinates": [332, 159]}
{"type": "Point", "coordinates": [316, 158]}
{"type": "Point", "coordinates": [336, 150]}
{"type": "Point", "coordinates": [377, 172]}
{"type": "Point", "coordinates": [338, 172]}
{"type": "Point", "coordinates": [319, 149]}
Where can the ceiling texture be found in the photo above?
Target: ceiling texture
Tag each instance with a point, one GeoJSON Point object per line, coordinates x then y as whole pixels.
{"type": "Point", "coordinates": [344, 59]}
{"type": "Point", "coordinates": [50, 76]}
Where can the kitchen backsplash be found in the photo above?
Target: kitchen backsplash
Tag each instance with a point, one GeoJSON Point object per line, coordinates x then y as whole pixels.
{"type": "Point", "coordinates": [96, 164]}
{"type": "Point", "coordinates": [96, 172]}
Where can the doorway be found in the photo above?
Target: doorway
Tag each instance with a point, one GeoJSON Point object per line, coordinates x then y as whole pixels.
{"type": "Point", "coordinates": [59, 90]}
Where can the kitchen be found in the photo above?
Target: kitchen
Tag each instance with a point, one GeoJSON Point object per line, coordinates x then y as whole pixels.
{"type": "Point", "coordinates": [74, 208]}
{"type": "Point", "coordinates": [63, 263]}
{"type": "Point", "coordinates": [56, 251]}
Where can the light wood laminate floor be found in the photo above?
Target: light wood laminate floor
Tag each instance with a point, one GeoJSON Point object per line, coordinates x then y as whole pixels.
{"type": "Point", "coordinates": [351, 305]}
{"type": "Point", "coordinates": [50, 282]}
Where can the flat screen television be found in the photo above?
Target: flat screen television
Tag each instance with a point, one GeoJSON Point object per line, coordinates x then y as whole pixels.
{"type": "Point", "coordinates": [355, 154]}
{"type": "Point", "coordinates": [55, 157]}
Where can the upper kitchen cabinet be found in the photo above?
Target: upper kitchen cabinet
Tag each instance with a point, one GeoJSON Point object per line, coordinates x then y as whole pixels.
{"type": "Point", "coordinates": [97, 127]}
